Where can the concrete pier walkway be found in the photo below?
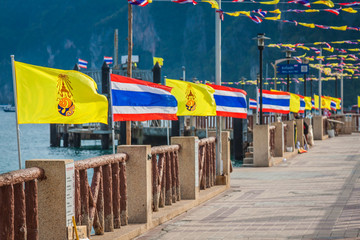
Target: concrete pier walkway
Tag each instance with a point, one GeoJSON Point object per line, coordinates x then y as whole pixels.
{"type": "Point", "coordinates": [315, 195]}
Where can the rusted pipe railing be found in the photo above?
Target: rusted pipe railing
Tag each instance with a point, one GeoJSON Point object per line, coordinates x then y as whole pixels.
{"type": "Point", "coordinates": [165, 171]}
{"type": "Point", "coordinates": [207, 175]}
{"type": "Point", "coordinates": [272, 140]}
{"type": "Point", "coordinates": [103, 205]}
{"type": "Point", "coordinates": [19, 205]}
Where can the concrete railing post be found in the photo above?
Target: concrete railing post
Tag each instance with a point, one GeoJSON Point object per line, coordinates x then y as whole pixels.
{"type": "Point", "coordinates": [300, 131]}
{"type": "Point", "coordinates": [188, 166]}
{"type": "Point", "coordinates": [139, 179]}
{"type": "Point", "coordinates": [261, 137]}
{"type": "Point", "coordinates": [224, 179]}
{"type": "Point", "coordinates": [290, 131]}
{"type": "Point", "coordinates": [56, 197]}
{"type": "Point", "coordinates": [318, 127]}
{"type": "Point", "coordinates": [279, 139]}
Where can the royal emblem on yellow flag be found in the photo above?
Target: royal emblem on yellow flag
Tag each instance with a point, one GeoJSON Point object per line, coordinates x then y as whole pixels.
{"type": "Point", "coordinates": [47, 95]}
{"type": "Point", "coordinates": [193, 99]}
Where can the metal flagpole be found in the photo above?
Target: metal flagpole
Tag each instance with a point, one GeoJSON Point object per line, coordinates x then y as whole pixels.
{"type": "Point", "coordinates": [320, 63]}
{"type": "Point", "coordinates": [112, 115]}
{"type": "Point", "coordinates": [16, 108]}
{"type": "Point", "coordinates": [167, 132]}
{"type": "Point", "coordinates": [218, 82]}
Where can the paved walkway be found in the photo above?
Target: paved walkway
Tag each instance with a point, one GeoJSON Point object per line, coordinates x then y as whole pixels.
{"type": "Point", "coordinates": [315, 195]}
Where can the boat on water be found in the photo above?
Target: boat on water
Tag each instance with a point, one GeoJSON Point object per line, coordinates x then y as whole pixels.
{"type": "Point", "coordinates": [9, 108]}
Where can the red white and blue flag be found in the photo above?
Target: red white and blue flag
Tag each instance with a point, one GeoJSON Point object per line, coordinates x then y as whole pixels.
{"type": "Point", "coordinates": [334, 11]}
{"type": "Point", "coordinates": [351, 4]}
{"type": "Point", "coordinates": [306, 3]}
{"type": "Point", "coordinates": [185, 1]}
{"type": "Point", "coordinates": [230, 102]}
{"type": "Point", "coordinates": [313, 104]}
{"type": "Point", "coordinates": [275, 101]}
{"type": "Point", "coordinates": [260, 12]}
{"type": "Point", "coordinates": [82, 63]}
{"type": "Point", "coordinates": [333, 105]}
{"type": "Point", "coordinates": [302, 104]}
{"type": "Point", "coordinates": [108, 60]}
{"type": "Point", "coordinates": [322, 26]}
{"type": "Point", "coordinates": [255, 18]}
{"type": "Point", "coordinates": [252, 104]}
{"type": "Point", "coordinates": [141, 3]}
{"type": "Point", "coordinates": [138, 100]}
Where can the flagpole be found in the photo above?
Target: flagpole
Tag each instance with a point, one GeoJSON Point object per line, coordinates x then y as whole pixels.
{"type": "Point", "coordinates": [129, 64]}
{"type": "Point", "coordinates": [342, 87]}
{"type": "Point", "coordinates": [112, 115]}
{"type": "Point", "coordinates": [320, 63]}
{"type": "Point", "coordinates": [218, 82]}
{"type": "Point", "coordinates": [167, 132]}
{"type": "Point", "coordinates": [16, 108]}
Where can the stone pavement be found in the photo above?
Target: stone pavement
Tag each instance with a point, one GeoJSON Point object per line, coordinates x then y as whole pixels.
{"type": "Point", "coordinates": [315, 195]}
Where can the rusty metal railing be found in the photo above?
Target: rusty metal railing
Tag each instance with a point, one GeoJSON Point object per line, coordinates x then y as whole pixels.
{"type": "Point", "coordinates": [272, 140]}
{"type": "Point", "coordinates": [103, 205]}
{"type": "Point", "coordinates": [19, 204]}
{"type": "Point", "coordinates": [165, 171]}
{"type": "Point", "coordinates": [207, 162]}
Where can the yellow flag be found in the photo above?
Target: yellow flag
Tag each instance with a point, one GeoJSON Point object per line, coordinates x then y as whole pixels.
{"type": "Point", "coordinates": [213, 3]}
{"type": "Point", "coordinates": [303, 47]}
{"type": "Point", "coordinates": [47, 95]}
{"type": "Point", "coordinates": [341, 28]}
{"type": "Point", "coordinates": [271, 2]}
{"type": "Point", "coordinates": [312, 10]}
{"type": "Point", "coordinates": [329, 49]}
{"type": "Point", "coordinates": [325, 2]}
{"type": "Point", "coordinates": [193, 99]}
{"type": "Point", "coordinates": [349, 10]}
{"type": "Point", "coordinates": [308, 105]}
{"type": "Point", "coordinates": [359, 101]}
{"type": "Point", "coordinates": [159, 60]}
{"type": "Point", "coordinates": [325, 103]}
{"type": "Point", "coordinates": [354, 49]}
{"type": "Point", "coordinates": [309, 25]}
{"type": "Point", "coordinates": [237, 13]}
{"type": "Point", "coordinates": [294, 103]}
{"type": "Point", "coordinates": [274, 18]}
{"type": "Point", "coordinates": [316, 101]}
{"type": "Point", "coordinates": [275, 11]}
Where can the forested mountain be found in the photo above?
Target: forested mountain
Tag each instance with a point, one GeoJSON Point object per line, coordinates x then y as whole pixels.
{"type": "Point", "coordinates": [57, 33]}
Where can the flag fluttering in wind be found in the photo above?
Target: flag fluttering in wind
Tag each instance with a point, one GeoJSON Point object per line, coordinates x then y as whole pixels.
{"type": "Point", "coordinates": [47, 95]}
{"type": "Point", "coordinates": [230, 102]}
{"type": "Point", "coordinates": [82, 63]}
{"type": "Point", "coordinates": [158, 60]}
{"type": "Point", "coordinates": [276, 102]}
{"type": "Point", "coordinates": [138, 100]}
{"type": "Point", "coordinates": [108, 60]}
{"type": "Point", "coordinates": [333, 105]}
{"type": "Point", "coordinates": [358, 101]}
{"type": "Point", "coordinates": [193, 99]}
{"type": "Point", "coordinates": [252, 103]}
{"type": "Point", "coordinates": [308, 103]}
{"type": "Point", "coordinates": [185, 1]}
{"type": "Point", "coordinates": [141, 3]}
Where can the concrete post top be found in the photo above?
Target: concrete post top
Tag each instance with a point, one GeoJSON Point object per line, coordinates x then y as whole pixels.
{"type": "Point", "coordinates": [66, 161]}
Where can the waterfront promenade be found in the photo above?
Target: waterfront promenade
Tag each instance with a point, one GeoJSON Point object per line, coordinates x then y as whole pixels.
{"type": "Point", "coordinates": [315, 195]}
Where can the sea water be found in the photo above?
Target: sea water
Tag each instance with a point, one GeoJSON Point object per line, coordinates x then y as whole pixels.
{"type": "Point", "coordinates": [35, 144]}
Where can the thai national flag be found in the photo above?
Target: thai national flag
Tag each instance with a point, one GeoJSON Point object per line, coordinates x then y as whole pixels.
{"type": "Point", "coordinates": [260, 12]}
{"type": "Point", "coordinates": [334, 11]}
{"type": "Point", "coordinates": [108, 60]}
{"type": "Point", "coordinates": [255, 19]}
{"type": "Point", "coordinates": [141, 3]}
{"type": "Point", "coordinates": [351, 4]}
{"type": "Point", "coordinates": [313, 104]}
{"type": "Point", "coordinates": [333, 105]}
{"type": "Point", "coordinates": [322, 26]}
{"type": "Point", "coordinates": [276, 101]}
{"type": "Point", "coordinates": [306, 3]}
{"type": "Point", "coordinates": [252, 104]}
{"type": "Point", "coordinates": [230, 102]}
{"type": "Point", "coordinates": [137, 100]}
{"type": "Point", "coordinates": [82, 63]}
{"type": "Point", "coordinates": [302, 104]}
{"type": "Point", "coordinates": [185, 1]}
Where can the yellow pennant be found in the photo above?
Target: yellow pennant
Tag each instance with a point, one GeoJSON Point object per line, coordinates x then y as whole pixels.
{"type": "Point", "coordinates": [303, 47]}
{"type": "Point", "coordinates": [342, 28]}
{"type": "Point", "coordinates": [309, 25]}
{"type": "Point", "coordinates": [48, 95]}
{"type": "Point", "coordinates": [354, 49]}
{"type": "Point", "coordinates": [237, 13]}
{"type": "Point", "coordinates": [329, 49]}
{"type": "Point", "coordinates": [213, 3]}
{"type": "Point", "coordinates": [349, 10]}
{"type": "Point", "coordinates": [275, 11]}
{"type": "Point", "coordinates": [274, 18]}
{"type": "Point", "coordinates": [312, 10]}
{"type": "Point", "coordinates": [325, 2]}
{"type": "Point", "coordinates": [271, 2]}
